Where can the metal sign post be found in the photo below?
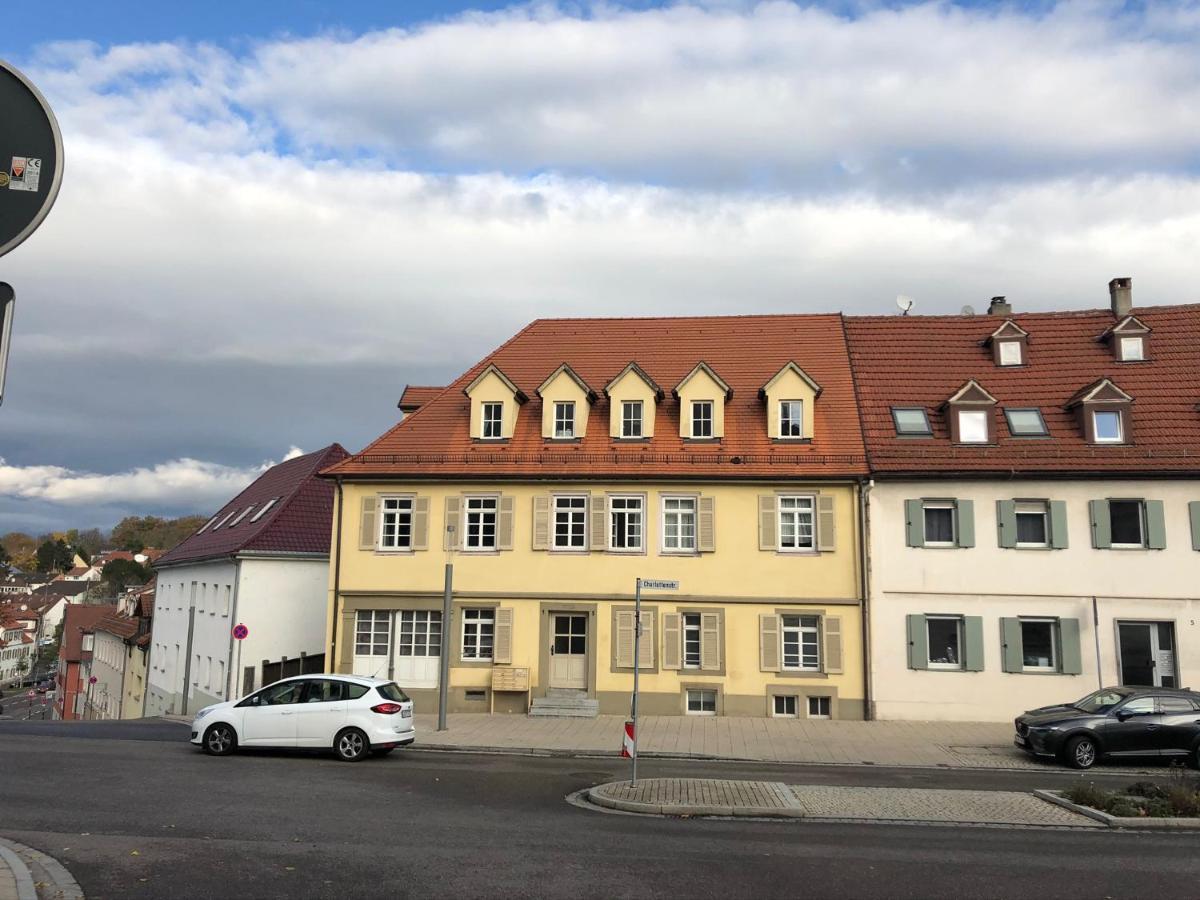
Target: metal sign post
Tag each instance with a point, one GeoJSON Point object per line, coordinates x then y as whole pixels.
{"type": "Point", "coordinates": [240, 633]}
{"type": "Point", "coordinates": [447, 611]}
{"type": "Point", "coordinates": [649, 584]}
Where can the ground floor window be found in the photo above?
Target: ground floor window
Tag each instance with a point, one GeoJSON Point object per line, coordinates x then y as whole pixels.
{"type": "Point", "coordinates": [784, 707]}
{"type": "Point", "coordinates": [1039, 645]}
{"type": "Point", "coordinates": [701, 702]}
{"type": "Point", "coordinates": [819, 707]}
{"type": "Point", "coordinates": [371, 632]}
{"type": "Point", "coordinates": [801, 643]}
{"type": "Point", "coordinates": [945, 641]}
{"type": "Point", "coordinates": [478, 631]}
{"type": "Point", "coordinates": [420, 633]}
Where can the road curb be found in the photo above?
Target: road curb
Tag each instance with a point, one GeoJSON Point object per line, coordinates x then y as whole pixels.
{"type": "Point", "coordinates": [597, 796]}
{"type": "Point", "coordinates": [24, 861]}
{"type": "Point", "coordinates": [1140, 823]}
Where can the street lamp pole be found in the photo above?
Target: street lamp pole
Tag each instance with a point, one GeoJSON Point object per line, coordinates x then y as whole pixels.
{"type": "Point", "coordinates": [447, 608]}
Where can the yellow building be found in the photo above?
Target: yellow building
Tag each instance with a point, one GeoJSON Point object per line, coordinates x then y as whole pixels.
{"type": "Point", "coordinates": [721, 453]}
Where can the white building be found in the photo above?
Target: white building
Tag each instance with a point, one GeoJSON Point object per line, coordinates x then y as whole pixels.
{"type": "Point", "coordinates": [262, 562]}
{"type": "Point", "coordinates": [1034, 517]}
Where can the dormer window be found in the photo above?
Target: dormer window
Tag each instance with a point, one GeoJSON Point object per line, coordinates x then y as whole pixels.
{"type": "Point", "coordinates": [1010, 353]}
{"type": "Point", "coordinates": [1128, 340]}
{"type": "Point", "coordinates": [564, 420]}
{"type": "Point", "coordinates": [631, 419]}
{"type": "Point", "coordinates": [702, 395]}
{"type": "Point", "coordinates": [632, 398]}
{"type": "Point", "coordinates": [1104, 412]}
{"type": "Point", "coordinates": [969, 413]}
{"type": "Point", "coordinates": [790, 396]}
{"type": "Point", "coordinates": [1107, 427]}
{"type": "Point", "coordinates": [791, 419]}
{"type": "Point", "coordinates": [495, 404]}
{"type": "Point", "coordinates": [1009, 343]}
{"type": "Point", "coordinates": [972, 426]}
{"type": "Point", "coordinates": [702, 418]}
{"type": "Point", "coordinates": [566, 400]}
{"type": "Point", "coordinates": [493, 421]}
{"type": "Point", "coordinates": [1133, 349]}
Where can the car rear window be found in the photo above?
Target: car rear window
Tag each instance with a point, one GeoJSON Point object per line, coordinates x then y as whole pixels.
{"type": "Point", "coordinates": [1175, 705]}
{"type": "Point", "coordinates": [391, 691]}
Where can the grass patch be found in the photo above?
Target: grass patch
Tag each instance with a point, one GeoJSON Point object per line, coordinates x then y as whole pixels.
{"type": "Point", "coordinates": [1176, 796]}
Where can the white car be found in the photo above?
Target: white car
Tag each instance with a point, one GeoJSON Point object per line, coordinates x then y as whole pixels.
{"type": "Point", "coordinates": [351, 715]}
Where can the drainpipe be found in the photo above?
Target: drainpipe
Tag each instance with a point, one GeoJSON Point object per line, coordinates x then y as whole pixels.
{"type": "Point", "coordinates": [231, 680]}
{"type": "Point", "coordinates": [864, 568]}
{"type": "Point", "coordinates": [1096, 635]}
{"type": "Point", "coordinates": [337, 581]}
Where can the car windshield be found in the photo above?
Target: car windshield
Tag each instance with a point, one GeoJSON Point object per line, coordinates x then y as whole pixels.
{"type": "Point", "coordinates": [391, 691]}
{"type": "Point", "coordinates": [1099, 701]}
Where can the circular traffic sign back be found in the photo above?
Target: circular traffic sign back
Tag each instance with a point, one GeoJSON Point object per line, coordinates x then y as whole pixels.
{"type": "Point", "coordinates": [241, 632]}
{"type": "Point", "coordinates": [30, 158]}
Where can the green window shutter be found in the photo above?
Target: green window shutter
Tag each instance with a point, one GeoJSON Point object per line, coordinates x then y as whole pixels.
{"type": "Point", "coordinates": [918, 641]}
{"type": "Point", "coordinates": [1070, 655]}
{"type": "Point", "coordinates": [1058, 524]}
{"type": "Point", "coordinates": [1156, 526]}
{"type": "Point", "coordinates": [973, 634]}
{"type": "Point", "coordinates": [966, 522]}
{"type": "Point", "coordinates": [1101, 526]}
{"type": "Point", "coordinates": [914, 513]}
{"type": "Point", "coordinates": [1006, 523]}
{"type": "Point", "coordinates": [1194, 515]}
{"type": "Point", "coordinates": [1012, 653]}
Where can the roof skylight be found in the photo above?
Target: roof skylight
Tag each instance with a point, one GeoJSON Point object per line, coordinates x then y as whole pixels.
{"type": "Point", "coordinates": [1025, 423]}
{"type": "Point", "coordinates": [911, 420]}
{"type": "Point", "coordinates": [258, 515]}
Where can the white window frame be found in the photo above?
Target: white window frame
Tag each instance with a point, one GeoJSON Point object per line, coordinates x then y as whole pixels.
{"type": "Point", "coordinates": [1054, 643]}
{"type": "Point", "coordinates": [262, 512]}
{"type": "Point", "coordinates": [690, 627]}
{"type": "Point", "coordinates": [581, 510]}
{"type": "Point", "coordinates": [628, 420]}
{"type": "Point", "coordinates": [962, 636]}
{"type": "Point", "coordinates": [808, 707]}
{"type": "Point", "coordinates": [679, 515]}
{"type": "Point", "coordinates": [797, 421]}
{"type": "Point", "coordinates": [612, 522]}
{"type": "Point", "coordinates": [700, 692]}
{"type": "Point", "coordinates": [474, 619]}
{"type": "Point", "coordinates": [1032, 507]}
{"type": "Point", "coordinates": [972, 415]}
{"type": "Point", "coordinates": [564, 420]}
{"type": "Point", "coordinates": [698, 406]}
{"type": "Point", "coordinates": [399, 500]}
{"type": "Point", "coordinates": [1007, 349]}
{"type": "Point", "coordinates": [1120, 438]}
{"type": "Point", "coordinates": [776, 714]}
{"type": "Point", "coordinates": [941, 504]}
{"type": "Point", "coordinates": [800, 630]}
{"type": "Point", "coordinates": [1133, 340]}
{"type": "Point", "coordinates": [373, 618]}
{"type": "Point", "coordinates": [480, 510]}
{"type": "Point", "coordinates": [419, 622]}
{"type": "Point", "coordinates": [1142, 530]}
{"type": "Point", "coordinates": [795, 514]}
{"type": "Point", "coordinates": [487, 423]}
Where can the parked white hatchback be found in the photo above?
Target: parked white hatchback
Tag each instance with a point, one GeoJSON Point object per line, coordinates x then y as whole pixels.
{"type": "Point", "coordinates": [352, 715]}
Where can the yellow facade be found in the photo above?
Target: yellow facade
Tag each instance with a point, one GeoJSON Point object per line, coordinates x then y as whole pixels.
{"type": "Point", "coordinates": [739, 585]}
{"type": "Point", "coordinates": [133, 686]}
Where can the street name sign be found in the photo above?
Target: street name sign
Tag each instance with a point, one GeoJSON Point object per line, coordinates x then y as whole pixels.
{"type": "Point", "coordinates": [656, 584]}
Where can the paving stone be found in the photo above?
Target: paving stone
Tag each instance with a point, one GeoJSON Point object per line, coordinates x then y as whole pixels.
{"type": "Point", "coordinates": [920, 805]}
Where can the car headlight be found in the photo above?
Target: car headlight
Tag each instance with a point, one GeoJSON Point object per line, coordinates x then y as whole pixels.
{"type": "Point", "coordinates": [202, 713]}
{"type": "Point", "coordinates": [1045, 728]}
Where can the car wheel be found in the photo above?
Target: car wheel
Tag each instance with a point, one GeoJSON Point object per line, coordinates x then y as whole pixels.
{"type": "Point", "coordinates": [1081, 752]}
{"type": "Point", "coordinates": [351, 745]}
{"type": "Point", "coordinates": [220, 740]}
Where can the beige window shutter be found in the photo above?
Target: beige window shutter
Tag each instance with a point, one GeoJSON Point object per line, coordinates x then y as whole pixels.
{"type": "Point", "coordinates": [367, 534]}
{"type": "Point", "coordinates": [452, 539]}
{"type": "Point", "coordinates": [646, 642]}
{"type": "Point", "coordinates": [420, 523]}
{"type": "Point", "coordinates": [833, 644]}
{"type": "Point", "coordinates": [710, 641]}
{"type": "Point", "coordinates": [541, 522]}
{"type": "Point", "coordinates": [504, 524]}
{"type": "Point", "coordinates": [624, 640]}
{"type": "Point", "coordinates": [766, 523]}
{"type": "Point", "coordinates": [826, 524]}
{"type": "Point", "coordinates": [671, 640]}
{"type": "Point", "coordinates": [598, 526]}
{"type": "Point", "coordinates": [502, 636]}
{"type": "Point", "coordinates": [768, 642]}
{"type": "Point", "coordinates": [706, 532]}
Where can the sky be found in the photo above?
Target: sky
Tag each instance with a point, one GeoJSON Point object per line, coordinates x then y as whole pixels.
{"type": "Point", "coordinates": [274, 215]}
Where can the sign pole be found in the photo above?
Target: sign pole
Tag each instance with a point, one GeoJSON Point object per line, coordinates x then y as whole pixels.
{"type": "Point", "coordinates": [637, 641]}
{"type": "Point", "coordinates": [444, 662]}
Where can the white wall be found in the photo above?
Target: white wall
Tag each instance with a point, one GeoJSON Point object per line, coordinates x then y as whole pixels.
{"type": "Point", "coordinates": [108, 665]}
{"type": "Point", "coordinates": [283, 603]}
{"type": "Point", "coordinates": [993, 582]}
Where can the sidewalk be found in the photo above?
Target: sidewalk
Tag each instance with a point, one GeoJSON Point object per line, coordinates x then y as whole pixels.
{"type": "Point", "coordinates": [28, 874]}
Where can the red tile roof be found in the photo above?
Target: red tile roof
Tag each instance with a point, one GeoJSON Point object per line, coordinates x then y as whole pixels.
{"type": "Point", "coordinates": [79, 620]}
{"type": "Point", "coordinates": [745, 351]}
{"type": "Point", "coordinates": [122, 626]}
{"type": "Point", "coordinates": [923, 360]}
{"type": "Point", "coordinates": [417, 395]}
{"type": "Point", "coordinates": [298, 522]}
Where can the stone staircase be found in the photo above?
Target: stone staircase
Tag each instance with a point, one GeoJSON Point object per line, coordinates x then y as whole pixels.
{"type": "Point", "coordinates": [565, 703]}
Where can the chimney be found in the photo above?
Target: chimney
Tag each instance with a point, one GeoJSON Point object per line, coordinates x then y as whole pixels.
{"type": "Point", "coordinates": [1120, 292]}
{"type": "Point", "coordinates": [999, 307]}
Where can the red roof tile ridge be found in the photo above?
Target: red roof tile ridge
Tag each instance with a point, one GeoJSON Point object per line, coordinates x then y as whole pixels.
{"type": "Point", "coordinates": [713, 318]}
{"type": "Point", "coordinates": [1041, 313]}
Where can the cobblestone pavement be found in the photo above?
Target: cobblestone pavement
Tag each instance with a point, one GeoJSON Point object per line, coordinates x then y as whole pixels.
{"type": "Point", "coordinates": [920, 805]}
{"type": "Point", "coordinates": [698, 796]}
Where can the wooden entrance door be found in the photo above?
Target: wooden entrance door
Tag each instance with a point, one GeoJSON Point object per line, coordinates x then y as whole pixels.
{"type": "Point", "coordinates": [568, 653]}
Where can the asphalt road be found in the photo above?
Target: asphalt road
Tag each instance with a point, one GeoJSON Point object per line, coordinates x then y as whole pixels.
{"type": "Point", "coordinates": [17, 705]}
{"type": "Point", "coordinates": [133, 811]}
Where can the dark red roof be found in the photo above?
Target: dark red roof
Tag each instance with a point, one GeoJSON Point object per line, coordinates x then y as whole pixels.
{"type": "Point", "coordinates": [745, 351]}
{"type": "Point", "coordinates": [417, 395]}
{"type": "Point", "coordinates": [122, 626]}
{"type": "Point", "coordinates": [922, 360]}
{"type": "Point", "coordinates": [299, 520]}
{"type": "Point", "coordinates": [79, 620]}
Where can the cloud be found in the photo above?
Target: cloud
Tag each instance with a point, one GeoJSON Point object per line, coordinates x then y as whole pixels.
{"type": "Point", "coordinates": [179, 483]}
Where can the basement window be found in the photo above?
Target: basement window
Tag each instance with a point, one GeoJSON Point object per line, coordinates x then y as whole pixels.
{"type": "Point", "coordinates": [701, 703]}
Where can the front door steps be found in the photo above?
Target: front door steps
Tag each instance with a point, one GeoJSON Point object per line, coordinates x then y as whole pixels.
{"type": "Point", "coordinates": [565, 703]}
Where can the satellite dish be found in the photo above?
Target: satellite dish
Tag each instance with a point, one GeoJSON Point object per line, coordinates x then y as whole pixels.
{"type": "Point", "coordinates": [968, 310]}
{"type": "Point", "coordinates": [905, 304]}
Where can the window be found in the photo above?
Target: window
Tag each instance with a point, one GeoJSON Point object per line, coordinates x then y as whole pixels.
{"type": "Point", "coordinates": [701, 703]}
{"type": "Point", "coordinates": [784, 706]}
{"type": "Point", "coordinates": [796, 523]}
{"type": "Point", "coordinates": [570, 523]}
{"type": "Point", "coordinates": [564, 420]}
{"type": "Point", "coordinates": [691, 640]}
{"type": "Point", "coordinates": [1032, 523]}
{"type": "Point", "coordinates": [228, 597]}
{"type": "Point", "coordinates": [321, 690]}
{"type": "Point", "coordinates": [200, 597]}
{"type": "Point", "coordinates": [1039, 645]}
{"type": "Point", "coordinates": [972, 426]}
{"type": "Point", "coordinates": [819, 707]}
{"type": "Point", "coordinates": [945, 634]}
{"type": "Point", "coordinates": [1139, 706]}
{"type": "Point", "coordinates": [1175, 705]}
{"type": "Point", "coordinates": [420, 633]}
{"type": "Point", "coordinates": [679, 524]}
{"type": "Point", "coordinates": [492, 416]}
{"type": "Point", "coordinates": [791, 418]}
{"type": "Point", "coordinates": [1133, 349]}
{"type": "Point", "coordinates": [204, 527]}
{"type": "Point", "coordinates": [220, 673]}
{"type": "Point", "coordinates": [1125, 523]}
{"type": "Point", "coordinates": [263, 511]}
{"type": "Point", "coordinates": [395, 526]}
{"type": "Point", "coordinates": [1025, 422]}
{"type": "Point", "coordinates": [1010, 353]}
{"type": "Point", "coordinates": [631, 419]}
{"type": "Point", "coordinates": [241, 515]}
{"type": "Point", "coordinates": [1106, 425]}
{"type": "Point", "coordinates": [371, 629]}
{"type": "Point", "coordinates": [939, 523]}
{"type": "Point", "coordinates": [702, 418]}
{"type": "Point", "coordinates": [481, 523]}
{"type": "Point", "coordinates": [478, 630]}
{"type": "Point", "coordinates": [801, 643]}
{"type": "Point", "coordinates": [625, 517]}
{"type": "Point", "coordinates": [911, 420]}
{"type": "Point", "coordinates": [225, 519]}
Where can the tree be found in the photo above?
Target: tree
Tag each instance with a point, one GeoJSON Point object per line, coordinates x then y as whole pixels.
{"type": "Point", "coordinates": [54, 556]}
{"type": "Point", "coordinates": [121, 572]}
{"type": "Point", "coordinates": [136, 533]}
{"type": "Point", "coordinates": [5, 562]}
{"type": "Point", "coordinates": [86, 543]}
{"type": "Point", "coordinates": [22, 550]}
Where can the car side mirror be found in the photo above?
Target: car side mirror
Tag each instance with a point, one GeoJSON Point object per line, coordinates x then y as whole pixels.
{"type": "Point", "coordinates": [1124, 716]}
